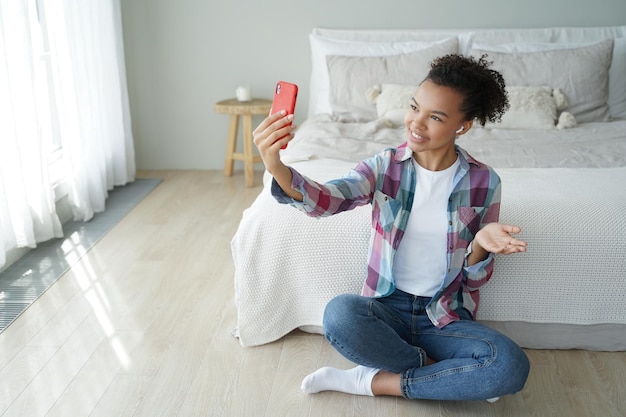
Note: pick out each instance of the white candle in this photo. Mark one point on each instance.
(243, 93)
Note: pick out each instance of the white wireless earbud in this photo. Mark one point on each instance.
(460, 129)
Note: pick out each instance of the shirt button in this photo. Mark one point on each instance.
(450, 223)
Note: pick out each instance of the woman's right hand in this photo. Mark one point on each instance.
(275, 131)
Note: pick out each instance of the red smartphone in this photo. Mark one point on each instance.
(285, 95)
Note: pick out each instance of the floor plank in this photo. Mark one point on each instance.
(253, 384)
(582, 383)
(59, 372)
(297, 359)
(610, 371)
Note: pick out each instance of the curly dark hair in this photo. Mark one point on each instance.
(485, 98)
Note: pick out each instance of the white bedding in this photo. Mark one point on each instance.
(289, 265)
(591, 145)
(565, 188)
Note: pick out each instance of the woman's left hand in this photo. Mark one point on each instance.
(496, 238)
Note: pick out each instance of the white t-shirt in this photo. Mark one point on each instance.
(420, 264)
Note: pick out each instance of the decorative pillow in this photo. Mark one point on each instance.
(321, 47)
(350, 77)
(581, 73)
(617, 81)
(531, 107)
(534, 108)
(392, 102)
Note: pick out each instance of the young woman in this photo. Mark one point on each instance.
(435, 232)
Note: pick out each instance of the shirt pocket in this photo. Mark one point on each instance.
(469, 220)
(386, 210)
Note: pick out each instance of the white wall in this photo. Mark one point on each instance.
(184, 55)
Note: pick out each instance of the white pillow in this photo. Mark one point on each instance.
(528, 46)
(533, 108)
(319, 99)
(582, 71)
(392, 102)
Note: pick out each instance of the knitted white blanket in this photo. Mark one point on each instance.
(289, 265)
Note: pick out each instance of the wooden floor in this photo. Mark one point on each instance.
(141, 326)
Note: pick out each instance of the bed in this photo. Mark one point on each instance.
(560, 152)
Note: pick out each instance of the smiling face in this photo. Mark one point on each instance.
(432, 122)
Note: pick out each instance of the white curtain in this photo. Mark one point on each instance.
(27, 207)
(85, 39)
(82, 99)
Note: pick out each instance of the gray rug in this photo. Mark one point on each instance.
(30, 276)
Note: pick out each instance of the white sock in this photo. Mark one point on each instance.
(357, 380)
(493, 400)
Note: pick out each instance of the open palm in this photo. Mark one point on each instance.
(496, 238)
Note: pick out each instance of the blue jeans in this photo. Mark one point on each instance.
(394, 334)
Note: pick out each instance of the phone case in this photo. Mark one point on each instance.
(285, 96)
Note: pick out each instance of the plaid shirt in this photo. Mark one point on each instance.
(387, 181)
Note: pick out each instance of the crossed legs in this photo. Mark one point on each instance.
(400, 353)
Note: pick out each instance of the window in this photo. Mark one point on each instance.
(45, 90)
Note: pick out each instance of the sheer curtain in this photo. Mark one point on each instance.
(89, 82)
(27, 206)
(81, 99)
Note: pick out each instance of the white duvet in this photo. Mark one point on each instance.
(565, 188)
(591, 145)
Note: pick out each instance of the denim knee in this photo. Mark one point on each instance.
(514, 367)
(340, 311)
(520, 366)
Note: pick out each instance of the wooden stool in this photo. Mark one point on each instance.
(246, 109)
